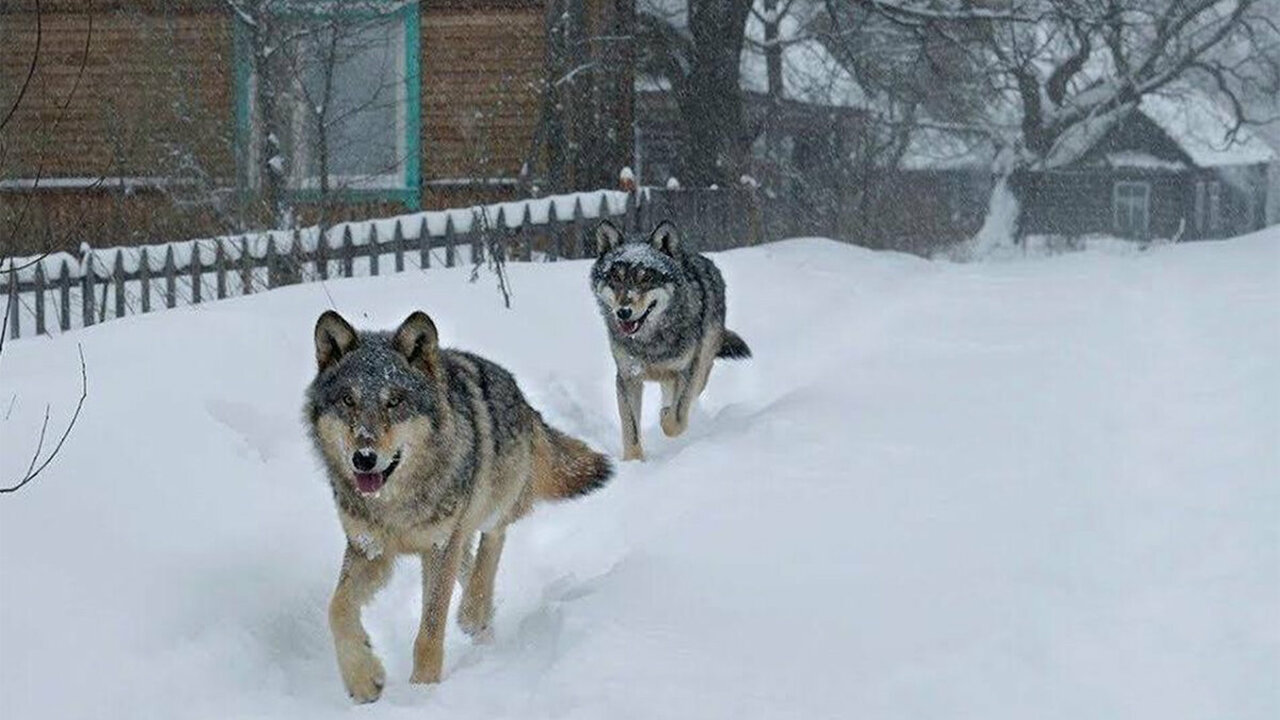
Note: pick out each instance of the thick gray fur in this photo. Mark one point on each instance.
(673, 346)
(375, 364)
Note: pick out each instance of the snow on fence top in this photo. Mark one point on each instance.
(66, 291)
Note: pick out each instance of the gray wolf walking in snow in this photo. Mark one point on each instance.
(425, 448)
(664, 309)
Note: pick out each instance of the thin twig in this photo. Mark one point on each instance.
(31, 70)
(33, 470)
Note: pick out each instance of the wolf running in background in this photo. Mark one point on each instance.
(426, 447)
(664, 309)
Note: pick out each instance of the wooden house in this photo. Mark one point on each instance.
(140, 120)
(1170, 168)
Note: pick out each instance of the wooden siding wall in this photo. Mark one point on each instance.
(156, 99)
(1082, 203)
(120, 90)
(482, 72)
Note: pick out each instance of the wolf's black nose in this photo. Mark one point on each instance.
(624, 313)
(364, 460)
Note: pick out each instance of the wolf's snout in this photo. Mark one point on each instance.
(624, 313)
(364, 460)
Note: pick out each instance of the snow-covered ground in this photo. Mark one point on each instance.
(1040, 489)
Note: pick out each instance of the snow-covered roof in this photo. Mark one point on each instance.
(937, 149)
(1192, 119)
(1141, 160)
(1202, 129)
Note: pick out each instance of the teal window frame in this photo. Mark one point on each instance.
(410, 195)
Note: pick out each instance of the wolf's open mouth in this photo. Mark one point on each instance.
(370, 483)
(629, 327)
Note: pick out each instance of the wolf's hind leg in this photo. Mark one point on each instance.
(687, 386)
(475, 614)
(630, 397)
(361, 577)
(439, 572)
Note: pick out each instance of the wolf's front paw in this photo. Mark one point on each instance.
(474, 618)
(671, 424)
(363, 675)
(425, 675)
(632, 453)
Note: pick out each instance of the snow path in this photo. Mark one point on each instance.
(1041, 489)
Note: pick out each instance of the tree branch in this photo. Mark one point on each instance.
(37, 466)
(31, 69)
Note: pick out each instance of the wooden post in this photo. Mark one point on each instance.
(298, 256)
(170, 279)
(397, 244)
(144, 277)
(630, 214)
(86, 284)
(197, 272)
(373, 249)
(13, 311)
(577, 247)
(478, 234)
(499, 234)
(273, 265)
(117, 278)
(246, 267)
(602, 211)
(525, 234)
(554, 234)
(322, 253)
(347, 251)
(39, 287)
(64, 296)
(220, 269)
(424, 245)
(449, 240)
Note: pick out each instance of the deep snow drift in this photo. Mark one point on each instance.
(1043, 489)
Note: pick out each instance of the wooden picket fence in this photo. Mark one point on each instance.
(62, 292)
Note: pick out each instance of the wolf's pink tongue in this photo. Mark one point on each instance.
(630, 326)
(369, 482)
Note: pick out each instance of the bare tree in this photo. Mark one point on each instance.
(583, 133)
(1056, 72)
(697, 49)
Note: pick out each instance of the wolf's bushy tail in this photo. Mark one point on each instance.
(732, 346)
(565, 467)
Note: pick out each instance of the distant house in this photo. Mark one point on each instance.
(142, 119)
(1169, 168)
(1166, 170)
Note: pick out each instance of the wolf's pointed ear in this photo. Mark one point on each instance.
(418, 341)
(608, 237)
(664, 238)
(334, 338)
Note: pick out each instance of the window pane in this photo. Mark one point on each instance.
(343, 103)
(365, 138)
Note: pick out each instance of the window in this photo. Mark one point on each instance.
(342, 87)
(1132, 204)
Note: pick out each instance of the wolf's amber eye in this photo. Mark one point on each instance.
(642, 276)
(393, 401)
(349, 400)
